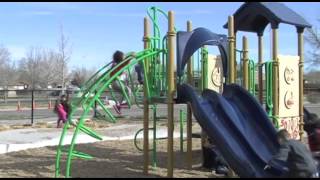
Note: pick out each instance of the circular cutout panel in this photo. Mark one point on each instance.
(288, 99)
(216, 76)
(288, 75)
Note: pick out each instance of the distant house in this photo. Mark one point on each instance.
(12, 89)
(17, 87)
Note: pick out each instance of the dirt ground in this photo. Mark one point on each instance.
(112, 159)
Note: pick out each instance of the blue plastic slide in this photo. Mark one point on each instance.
(238, 126)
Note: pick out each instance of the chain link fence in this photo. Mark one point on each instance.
(28, 105)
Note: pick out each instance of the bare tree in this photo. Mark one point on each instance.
(7, 67)
(4, 55)
(40, 67)
(50, 67)
(313, 39)
(65, 53)
(80, 75)
(29, 67)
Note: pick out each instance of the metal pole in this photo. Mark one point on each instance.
(170, 103)
(154, 150)
(275, 72)
(32, 100)
(189, 110)
(260, 60)
(235, 57)
(231, 49)
(300, 54)
(181, 130)
(245, 63)
(232, 55)
(146, 104)
(204, 80)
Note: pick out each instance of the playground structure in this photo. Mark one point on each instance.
(249, 142)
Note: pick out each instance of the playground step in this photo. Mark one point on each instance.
(90, 132)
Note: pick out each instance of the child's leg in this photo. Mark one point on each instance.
(127, 88)
(121, 97)
(64, 121)
(117, 88)
(118, 96)
(139, 71)
(58, 123)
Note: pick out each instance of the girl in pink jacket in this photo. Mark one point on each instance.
(62, 114)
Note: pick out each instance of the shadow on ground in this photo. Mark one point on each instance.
(112, 159)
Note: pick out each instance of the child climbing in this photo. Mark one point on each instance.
(212, 158)
(61, 111)
(296, 155)
(312, 127)
(118, 58)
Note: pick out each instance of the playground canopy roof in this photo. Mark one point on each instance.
(255, 16)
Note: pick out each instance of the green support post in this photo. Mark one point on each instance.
(252, 82)
(204, 58)
(269, 92)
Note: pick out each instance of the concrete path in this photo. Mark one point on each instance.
(22, 139)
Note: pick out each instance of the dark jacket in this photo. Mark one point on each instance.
(311, 122)
(67, 107)
(314, 140)
(298, 158)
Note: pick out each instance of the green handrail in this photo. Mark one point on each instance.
(252, 84)
(269, 92)
(164, 65)
(204, 58)
(136, 137)
(82, 117)
(98, 82)
(92, 78)
(86, 93)
(269, 95)
(157, 70)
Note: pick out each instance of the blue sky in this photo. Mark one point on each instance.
(97, 29)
